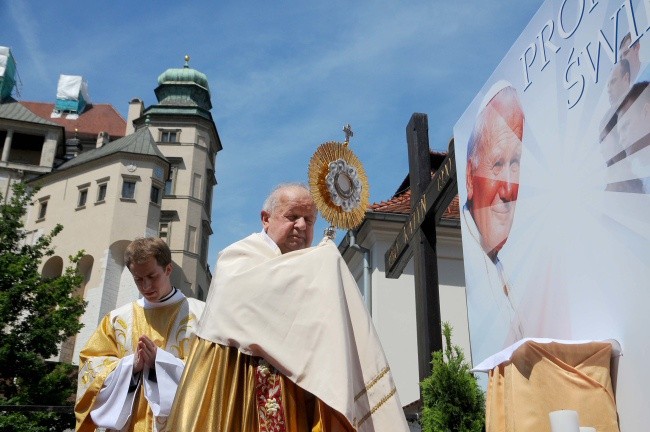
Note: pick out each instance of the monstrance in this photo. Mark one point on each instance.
(338, 184)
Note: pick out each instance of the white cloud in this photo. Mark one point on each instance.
(27, 28)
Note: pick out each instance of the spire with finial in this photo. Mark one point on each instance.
(187, 61)
(348, 133)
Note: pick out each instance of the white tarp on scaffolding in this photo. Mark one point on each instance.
(4, 58)
(71, 86)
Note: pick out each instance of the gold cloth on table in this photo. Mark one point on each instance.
(545, 377)
(219, 395)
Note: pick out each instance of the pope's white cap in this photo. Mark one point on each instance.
(493, 91)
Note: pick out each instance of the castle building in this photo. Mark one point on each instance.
(108, 180)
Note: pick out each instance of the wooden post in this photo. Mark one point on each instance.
(427, 297)
(430, 197)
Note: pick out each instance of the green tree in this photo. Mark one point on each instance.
(452, 398)
(36, 315)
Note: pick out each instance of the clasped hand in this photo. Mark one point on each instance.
(145, 354)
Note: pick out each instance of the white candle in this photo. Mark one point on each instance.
(564, 421)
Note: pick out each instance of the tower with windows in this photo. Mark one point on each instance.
(186, 134)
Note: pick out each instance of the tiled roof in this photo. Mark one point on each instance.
(13, 110)
(140, 142)
(94, 119)
(401, 201)
(397, 204)
(402, 204)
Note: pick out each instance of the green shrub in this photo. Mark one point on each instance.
(452, 398)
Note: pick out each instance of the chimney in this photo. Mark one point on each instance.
(136, 108)
(72, 147)
(102, 139)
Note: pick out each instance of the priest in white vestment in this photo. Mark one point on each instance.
(131, 366)
(285, 343)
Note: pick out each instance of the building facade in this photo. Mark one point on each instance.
(108, 180)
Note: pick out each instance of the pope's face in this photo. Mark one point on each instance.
(152, 279)
(493, 185)
(291, 223)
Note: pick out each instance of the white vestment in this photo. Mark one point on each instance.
(303, 313)
(493, 319)
(108, 394)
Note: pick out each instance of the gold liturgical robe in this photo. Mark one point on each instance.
(106, 362)
(285, 345)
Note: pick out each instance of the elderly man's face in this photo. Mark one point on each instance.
(634, 123)
(291, 223)
(628, 53)
(618, 84)
(493, 185)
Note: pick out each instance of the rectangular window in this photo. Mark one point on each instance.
(155, 194)
(196, 186)
(204, 249)
(163, 231)
(101, 192)
(191, 239)
(128, 189)
(202, 141)
(169, 136)
(169, 184)
(83, 196)
(42, 210)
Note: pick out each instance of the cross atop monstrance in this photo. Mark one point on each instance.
(348, 133)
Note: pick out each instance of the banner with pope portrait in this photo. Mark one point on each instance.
(553, 167)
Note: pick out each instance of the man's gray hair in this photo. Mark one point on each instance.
(272, 200)
(482, 125)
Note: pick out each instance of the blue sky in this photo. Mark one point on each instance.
(284, 76)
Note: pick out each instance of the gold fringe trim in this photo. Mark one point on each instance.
(379, 376)
(376, 407)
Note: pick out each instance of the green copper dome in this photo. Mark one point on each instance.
(184, 75)
(183, 87)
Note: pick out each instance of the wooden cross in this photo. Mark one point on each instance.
(430, 197)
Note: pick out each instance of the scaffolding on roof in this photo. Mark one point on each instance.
(7, 73)
(71, 94)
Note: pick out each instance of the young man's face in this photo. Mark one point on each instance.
(152, 279)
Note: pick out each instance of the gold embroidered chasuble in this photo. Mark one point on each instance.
(302, 314)
(169, 326)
